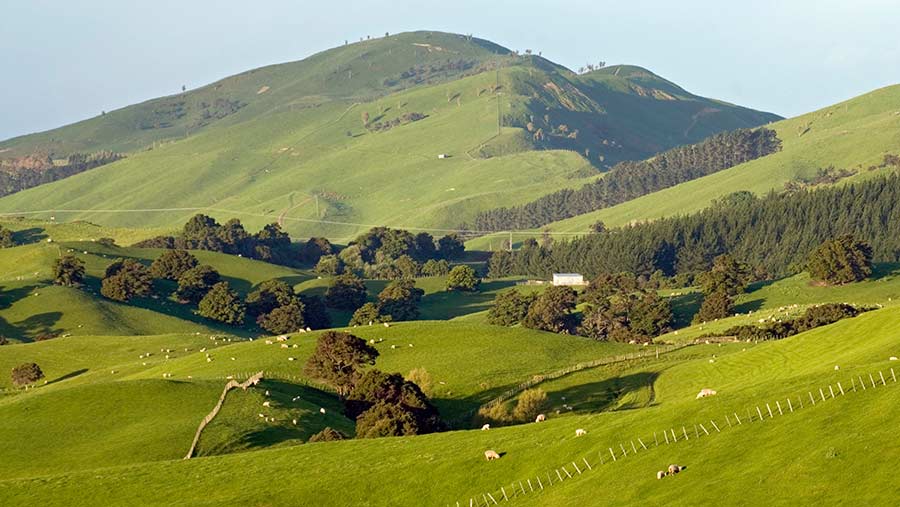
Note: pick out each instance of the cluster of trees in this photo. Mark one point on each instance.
(377, 126)
(819, 315)
(387, 253)
(727, 278)
(273, 305)
(774, 235)
(382, 404)
(26, 374)
(398, 301)
(425, 72)
(841, 260)
(202, 232)
(27, 172)
(7, 239)
(629, 180)
(613, 312)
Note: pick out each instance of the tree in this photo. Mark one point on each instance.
(386, 420)
(841, 260)
(222, 304)
(368, 314)
(284, 319)
(329, 265)
(436, 267)
(424, 246)
(6, 238)
(328, 434)
(552, 310)
(598, 227)
(726, 274)
(347, 292)
(315, 316)
(407, 266)
(68, 271)
(194, 283)
(450, 247)
(421, 378)
(462, 278)
(126, 279)
(314, 249)
(337, 359)
(27, 373)
(268, 296)
(375, 388)
(509, 308)
(717, 305)
(172, 264)
(400, 299)
(500, 264)
(531, 403)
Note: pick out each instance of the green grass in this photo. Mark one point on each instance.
(819, 453)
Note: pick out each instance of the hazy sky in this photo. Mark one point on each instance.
(66, 60)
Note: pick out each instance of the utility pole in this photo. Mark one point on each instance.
(317, 207)
(510, 241)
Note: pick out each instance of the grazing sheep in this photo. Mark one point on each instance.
(705, 392)
(262, 415)
(321, 410)
(267, 404)
(486, 427)
(410, 344)
(674, 469)
(290, 359)
(892, 358)
(308, 329)
(267, 392)
(836, 367)
(540, 418)
(660, 474)
(285, 346)
(372, 341)
(386, 324)
(208, 359)
(294, 421)
(393, 347)
(282, 338)
(268, 342)
(491, 455)
(580, 432)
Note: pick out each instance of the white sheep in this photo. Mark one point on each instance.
(267, 404)
(660, 474)
(294, 421)
(892, 358)
(486, 427)
(387, 325)
(674, 469)
(267, 392)
(540, 418)
(705, 392)
(321, 410)
(580, 432)
(491, 455)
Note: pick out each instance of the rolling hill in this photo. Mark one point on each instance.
(854, 135)
(350, 138)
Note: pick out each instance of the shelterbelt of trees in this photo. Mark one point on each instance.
(774, 234)
(629, 180)
(27, 172)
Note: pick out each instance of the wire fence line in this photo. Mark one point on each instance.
(670, 436)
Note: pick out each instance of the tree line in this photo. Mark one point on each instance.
(774, 235)
(631, 179)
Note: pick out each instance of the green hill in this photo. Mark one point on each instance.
(344, 138)
(853, 135)
(817, 452)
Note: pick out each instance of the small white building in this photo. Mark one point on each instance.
(568, 279)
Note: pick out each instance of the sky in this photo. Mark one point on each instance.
(64, 61)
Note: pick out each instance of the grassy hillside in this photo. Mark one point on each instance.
(512, 127)
(855, 134)
(817, 453)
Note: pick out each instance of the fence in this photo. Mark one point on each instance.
(671, 436)
(252, 381)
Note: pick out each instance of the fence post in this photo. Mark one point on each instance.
(564, 470)
(502, 490)
(633, 448)
(863, 384)
(853, 383)
(873, 380)
(822, 394)
(716, 426)
(576, 468)
(770, 411)
(611, 453)
(882, 378)
(778, 404)
(642, 443)
(685, 433)
(758, 411)
(813, 400)
(738, 418)
(790, 405)
(728, 420)
(893, 376)
(703, 428)
(623, 450)
(541, 484)
(656, 439)
(492, 498)
(530, 486)
(841, 388)
(665, 434)
(831, 390)
(587, 464)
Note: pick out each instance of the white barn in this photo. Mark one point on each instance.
(568, 279)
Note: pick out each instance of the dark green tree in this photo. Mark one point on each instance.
(368, 314)
(386, 420)
(407, 267)
(347, 292)
(6, 238)
(68, 271)
(222, 304)
(337, 359)
(172, 264)
(462, 278)
(284, 319)
(314, 313)
(126, 279)
(726, 274)
(844, 259)
(717, 305)
(500, 264)
(328, 434)
(375, 387)
(434, 267)
(194, 283)
(450, 247)
(314, 249)
(552, 310)
(400, 299)
(329, 265)
(510, 307)
(268, 296)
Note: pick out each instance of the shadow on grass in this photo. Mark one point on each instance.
(603, 395)
(445, 305)
(28, 236)
(684, 308)
(67, 376)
